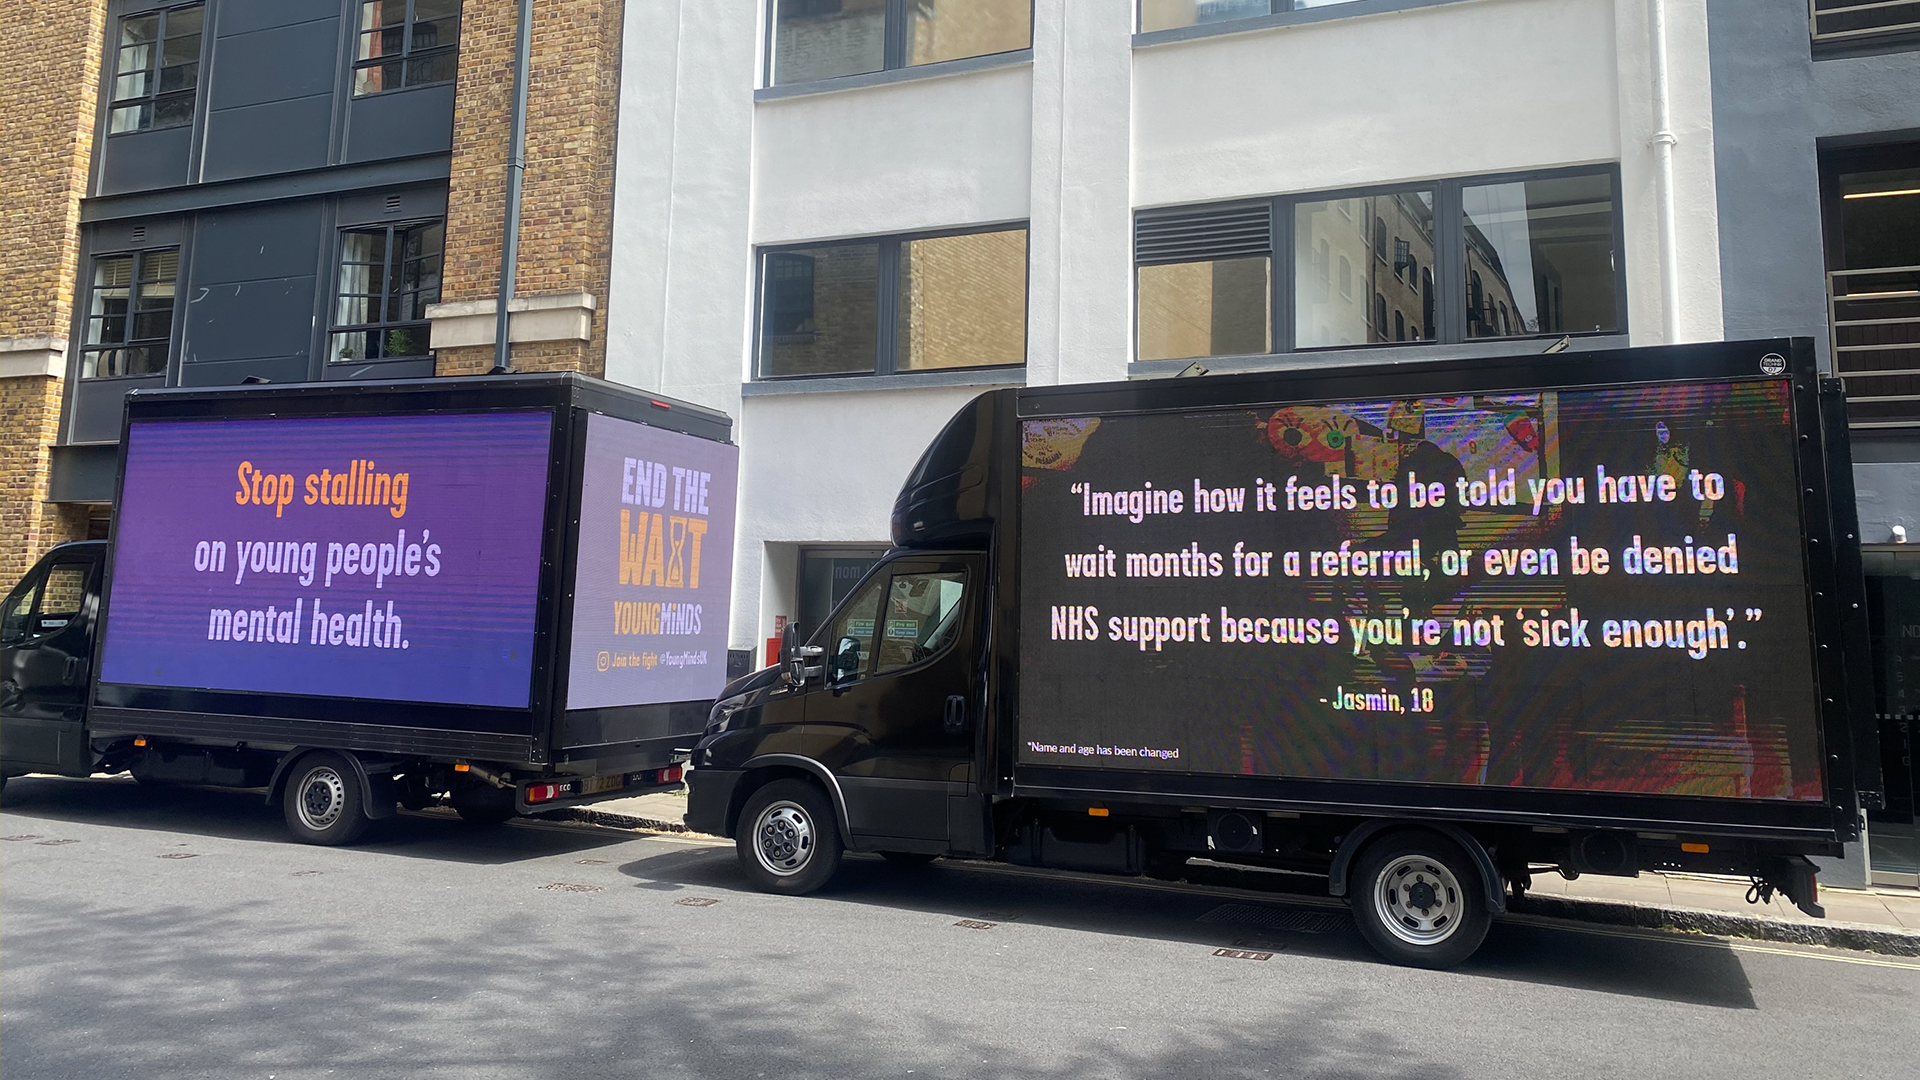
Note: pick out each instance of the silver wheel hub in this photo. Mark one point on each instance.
(1419, 900)
(323, 798)
(783, 839)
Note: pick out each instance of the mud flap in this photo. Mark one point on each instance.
(1794, 877)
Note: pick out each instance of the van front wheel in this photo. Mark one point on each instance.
(787, 839)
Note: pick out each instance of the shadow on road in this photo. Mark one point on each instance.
(236, 814)
(1693, 971)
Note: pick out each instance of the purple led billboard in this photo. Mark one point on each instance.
(655, 570)
(382, 557)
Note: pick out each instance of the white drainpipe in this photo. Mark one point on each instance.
(1663, 141)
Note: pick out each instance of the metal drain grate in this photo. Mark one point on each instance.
(1242, 954)
(1304, 922)
(696, 901)
(567, 886)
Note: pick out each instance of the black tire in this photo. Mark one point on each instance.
(323, 801)
(483, 804)
(908, 858)
(1419, 899)
(787, 838)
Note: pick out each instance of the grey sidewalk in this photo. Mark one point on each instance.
(1886, 921)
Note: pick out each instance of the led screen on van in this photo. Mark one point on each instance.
(382, 557)
(1593, 590)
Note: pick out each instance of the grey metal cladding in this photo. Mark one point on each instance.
(244, 16)
(249, 243)
(93, 414)
(241, 320)
(280, 369)
(142, 160)
(276, 137)
(275, 65)
(400, 123)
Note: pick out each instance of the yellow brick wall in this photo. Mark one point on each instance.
(567, 199)
(50, 88)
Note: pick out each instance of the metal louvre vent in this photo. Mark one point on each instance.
(393, 204)
(139, 234)
(1191, 235)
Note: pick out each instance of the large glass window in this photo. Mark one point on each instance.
(388, 276)
(953, 301)
(1380, 240)
(405, 43)
(827, 39)
(1172, 14)
(1542, 251)
(1873, 280)
(156, 69)
(129, 324)
(1377, 268)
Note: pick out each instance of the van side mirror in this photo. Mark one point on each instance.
(801, 662)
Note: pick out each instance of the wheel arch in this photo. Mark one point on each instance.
(1367, 832)
(763, 770)
(378, 798)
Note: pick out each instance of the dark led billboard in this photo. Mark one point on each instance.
(1582, 590)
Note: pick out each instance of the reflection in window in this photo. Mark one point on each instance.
(388, 276)
(850, 647)
(921, 616)
(406, 43)
(953, 302)
(828, 39)
(963, 301)
(1219, 307)
(130, 314)
(1357, 314)
(1172, 14)
(156, 69)
(1540, 257)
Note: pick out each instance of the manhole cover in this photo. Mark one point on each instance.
(55, 843)
(696, 901)
(180, 855)
(593, 862)
(974, 924)
(1304, 922)
(567, 886)
(1242, 954)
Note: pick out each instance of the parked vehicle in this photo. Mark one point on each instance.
(509, 591)
(1427, 630)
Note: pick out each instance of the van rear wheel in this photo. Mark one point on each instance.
(787, 839)
(1419, 900)
(323, 801)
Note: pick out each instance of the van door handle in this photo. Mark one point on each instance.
(73, 671)
(956, 719)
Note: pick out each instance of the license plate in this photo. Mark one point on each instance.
(598, 784)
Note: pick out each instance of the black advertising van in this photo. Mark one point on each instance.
(1426, 630)
(508, 592)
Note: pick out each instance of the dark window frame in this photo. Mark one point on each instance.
(887, 338)
(135, 279)
(1449, 319)
(389, 266)
(894, 56)
(1280, 13)
(406, 57)
(149, 98)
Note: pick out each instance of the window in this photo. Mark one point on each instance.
(129, 322)
(1205, 282)
(1544, 249)
(45, 604)
(406, 43)
(946, 302)
(1367, 268)
(1846, 22)
(920, 617)
(156, 70)
(828, 39)
(388, 276)
(1872, 221)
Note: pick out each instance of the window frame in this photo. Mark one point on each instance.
(893, 58)
(887, 319)
(135, 280)
(333, 327)
(152, 94)
(404, 57)
(1450, 287)
(1279, 13)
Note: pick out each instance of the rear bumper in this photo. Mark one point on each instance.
(642, 782)
(710, 799)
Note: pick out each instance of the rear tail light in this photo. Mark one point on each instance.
(539, 793)
(670, 775)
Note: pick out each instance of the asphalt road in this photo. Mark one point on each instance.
(178, 933)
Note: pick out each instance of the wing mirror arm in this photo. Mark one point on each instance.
(803, 663)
